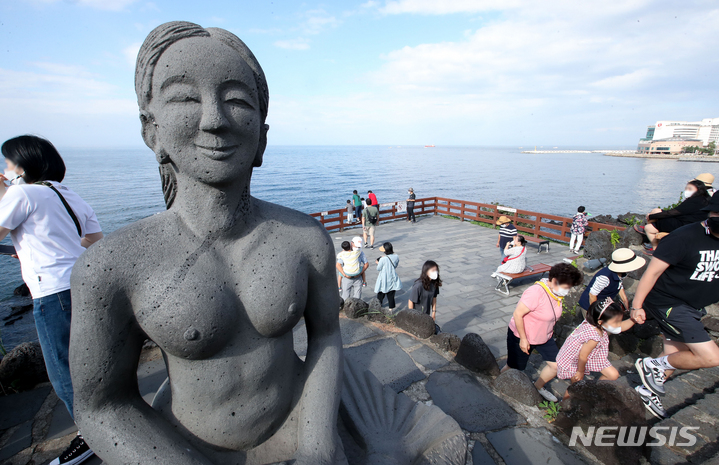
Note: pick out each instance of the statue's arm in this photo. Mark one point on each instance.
(105, 345)
(318, 439)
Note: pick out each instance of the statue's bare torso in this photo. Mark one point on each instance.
(222, 311)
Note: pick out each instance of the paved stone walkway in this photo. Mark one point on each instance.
(467, 256)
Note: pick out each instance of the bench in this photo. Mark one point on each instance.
(503, 279)
(539, 241)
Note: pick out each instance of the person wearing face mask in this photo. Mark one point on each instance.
(682, 278)
(689, 211)
(532, 324)
(50, 226)
(410, 205)
(608, 281)
(424, 292)
(587, 348)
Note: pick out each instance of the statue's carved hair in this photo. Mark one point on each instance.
(159, 40)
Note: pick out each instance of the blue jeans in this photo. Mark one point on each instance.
(52, 319)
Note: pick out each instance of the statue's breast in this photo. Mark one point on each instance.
(193, 312)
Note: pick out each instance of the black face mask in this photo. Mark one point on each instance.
(713, 223)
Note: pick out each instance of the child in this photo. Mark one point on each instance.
(587, 348)
(350, 212)
(579, 224)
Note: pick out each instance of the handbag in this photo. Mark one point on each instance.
(506, 258)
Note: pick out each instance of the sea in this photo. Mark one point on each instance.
(123, 185)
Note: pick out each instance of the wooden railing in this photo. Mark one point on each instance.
(539, 224)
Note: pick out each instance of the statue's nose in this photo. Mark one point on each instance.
(213, 116)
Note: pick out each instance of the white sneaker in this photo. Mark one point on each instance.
(548, 395)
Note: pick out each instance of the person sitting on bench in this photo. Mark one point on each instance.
(689, 211)
(515, 256)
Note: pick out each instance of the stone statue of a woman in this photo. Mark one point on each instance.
(218, 281)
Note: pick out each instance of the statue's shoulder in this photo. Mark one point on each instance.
(291, 219)
(132, 240)
(305, 231)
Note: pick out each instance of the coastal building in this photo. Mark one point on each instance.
(706, 131)
(668, 146)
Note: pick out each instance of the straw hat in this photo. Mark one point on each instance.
(706, 178)
(625, 261)
(503, 220)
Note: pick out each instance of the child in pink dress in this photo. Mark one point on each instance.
(587, 348)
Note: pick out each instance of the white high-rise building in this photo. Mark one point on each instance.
(706, 130)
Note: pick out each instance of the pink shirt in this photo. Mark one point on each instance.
(544, 311)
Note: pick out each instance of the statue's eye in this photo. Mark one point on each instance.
(184, 99)
(240, 102)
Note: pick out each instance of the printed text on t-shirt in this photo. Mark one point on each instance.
(708, 267)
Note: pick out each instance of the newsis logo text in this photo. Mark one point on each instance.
(634, 436)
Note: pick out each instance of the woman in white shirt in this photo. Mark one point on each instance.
(50, 227)
(515, 256)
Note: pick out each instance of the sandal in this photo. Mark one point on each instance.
(639, 228)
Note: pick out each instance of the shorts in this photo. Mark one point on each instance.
(518, 359)
(680, 323)
(667, 225)
(370, 228)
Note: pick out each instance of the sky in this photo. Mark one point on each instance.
(386, 72)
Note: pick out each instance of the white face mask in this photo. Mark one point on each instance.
(13, 177)
(561, 292)
(612, 329)
(433, 275)
(688, 193)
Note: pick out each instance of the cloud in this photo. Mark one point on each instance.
(109, 5)
(300, 43)
(130, 53)
(437, 7)
(313, 22)
(558, 72)
(317, 21)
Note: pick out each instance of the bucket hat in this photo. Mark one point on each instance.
(625, 260)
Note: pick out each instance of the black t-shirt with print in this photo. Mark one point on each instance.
(693, 274)
(410, 201)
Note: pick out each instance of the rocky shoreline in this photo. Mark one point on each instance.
(680, 157)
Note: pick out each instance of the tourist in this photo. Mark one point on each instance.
(608, 281)
(370, 220)
(372, 198)
(689, 211)
(424, 292)
(708, 180)
(507, 233)
(587, 348)
(579, 225)
(515, 256)
(532, 324)
(388, 281)
(50, 227)
(351, 265)
(410, 206)
(679, 282)
(357, 204)
(350, 212)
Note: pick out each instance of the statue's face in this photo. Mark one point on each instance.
(206, 109)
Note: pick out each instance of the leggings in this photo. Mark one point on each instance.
(390, 298)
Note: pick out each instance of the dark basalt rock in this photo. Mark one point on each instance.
(446, 341)
(604, 403)
(651, 347)
(623, 343)
(475, 355)
(416, 323)
(355, 308)
(647, 330)
(599, 245)
(24, 366)
(517, 385)
(22, 290)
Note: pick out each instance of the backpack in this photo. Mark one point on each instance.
(372, 218)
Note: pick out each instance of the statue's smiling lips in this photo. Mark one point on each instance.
(217, 152)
